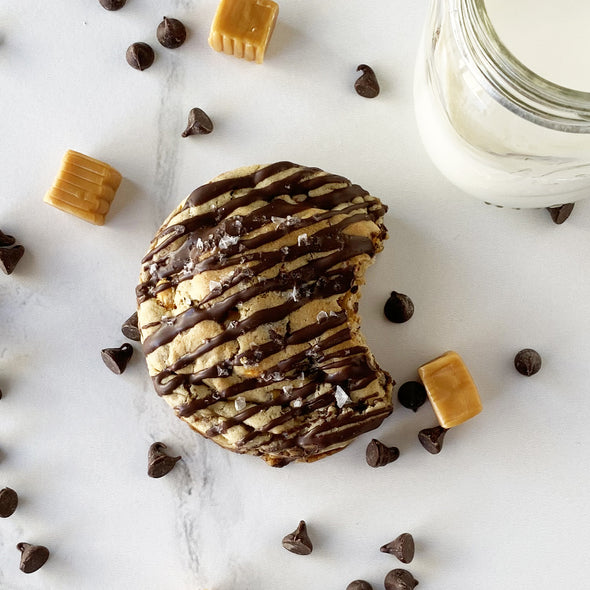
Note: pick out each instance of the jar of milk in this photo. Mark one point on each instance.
(502, 98)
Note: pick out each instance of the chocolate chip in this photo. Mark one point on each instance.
(379, 455)
(0, 394)
(412, 395)
(399, 308)
(9, 257)
(6, 240)
(116, 359)
(130, 328)
(298, 541)
(400, 579)
(199, 123)
(527, 362)
(112, 4)
(367, 85)
(159, 463)
(561, 213)
(402, 547)
(8, 502)
(140, 56)
(171, 33)
(432, 439)
(359, 585)
(32, 557)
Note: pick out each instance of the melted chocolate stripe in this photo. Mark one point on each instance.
(210, 191)
(343, 352)
(343, 429)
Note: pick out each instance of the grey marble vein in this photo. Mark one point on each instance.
(169, 118)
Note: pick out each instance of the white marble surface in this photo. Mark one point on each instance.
(505, 505)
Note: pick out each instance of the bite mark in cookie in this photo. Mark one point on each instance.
(249, 294)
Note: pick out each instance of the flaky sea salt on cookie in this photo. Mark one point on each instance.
(247, 307)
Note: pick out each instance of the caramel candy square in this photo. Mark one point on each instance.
(84, 187)
(244, 27)
(451, 389)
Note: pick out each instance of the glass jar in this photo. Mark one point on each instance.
(492, 126)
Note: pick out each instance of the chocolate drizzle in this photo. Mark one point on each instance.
(232, 223)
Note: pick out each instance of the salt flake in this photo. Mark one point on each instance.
(302, 240)
(226, 241)
(222, 371)
(322, 315)
(213, 285)
(341, 397)
(240, 403)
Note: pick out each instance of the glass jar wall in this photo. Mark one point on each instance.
(496, 129)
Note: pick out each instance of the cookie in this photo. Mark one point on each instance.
(247, 308)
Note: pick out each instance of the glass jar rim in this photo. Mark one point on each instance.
(509, 81)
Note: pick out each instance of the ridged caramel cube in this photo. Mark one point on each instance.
(84, 187)
(451, 390)
(244, 27)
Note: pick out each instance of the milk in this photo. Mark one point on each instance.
(550, 37)
(483, 147)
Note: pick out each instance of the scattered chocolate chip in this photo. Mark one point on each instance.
(432, 439)
(0, 394)
(6, 240)
(199, 123)
(9, 257)
(359, 585)
(379, 455)
(116, 359)
(159, 463)
(401, 547)
(400, 579)
(399, 308)
(8, 502)
(112, 4)
(527, 362)
(298, 541)
(32, 557)
(140, 56)
(561, 213)
(130, 328)
(171, 33)
(412, 395)
(367, 85)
